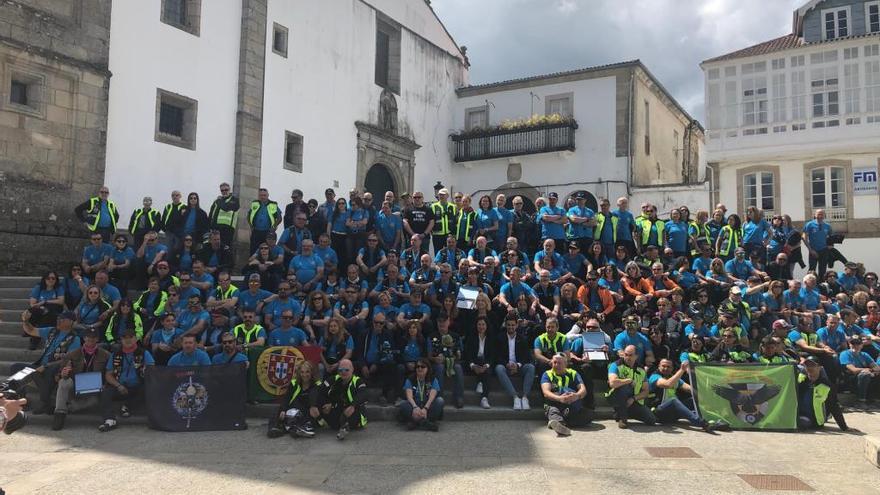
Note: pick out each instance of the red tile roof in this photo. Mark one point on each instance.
(774, 45)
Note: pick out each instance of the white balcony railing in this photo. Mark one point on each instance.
(835, 214)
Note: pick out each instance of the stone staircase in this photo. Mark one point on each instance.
(14, 293)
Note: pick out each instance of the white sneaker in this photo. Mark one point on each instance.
(479, 387)
(517, 404)
(525, 404)
(484, 403)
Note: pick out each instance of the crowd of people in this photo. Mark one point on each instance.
(410, 297)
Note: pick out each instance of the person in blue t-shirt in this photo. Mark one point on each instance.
(389, 227)
(108, 292)
(230, 352)
(422, 406)
(634, 337)
(121, 263)
(676, 235)
(60, 340)
(626, 225)
(859, 369)
(833, 334)
(124, 378)
(273, 310)
(254, 298)
(552, 219)
(505, 221)
(287, 334)
(189, 354)
(307, 266)
(336, 345)
(96, 255)
(816, 233)
(581, 221)
(663, 386)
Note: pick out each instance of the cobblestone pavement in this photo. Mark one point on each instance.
(464, 457)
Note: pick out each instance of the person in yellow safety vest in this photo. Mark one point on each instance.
(606, 227)
(223, 216)
(564, 391)
(144, 220)
(263, 217)
(248, 333)
(548, 344)
(729, 238)
(344, 409)
(663, 386)
(816, 398)
(445, 215)
(172, 221)
(99, 214)
(698, 231)
(628, 390)
(464, 225)
(298, 411)
(650, 230)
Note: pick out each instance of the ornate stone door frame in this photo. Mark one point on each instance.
(377, 145)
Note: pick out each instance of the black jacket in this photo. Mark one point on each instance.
(202, 224)
(522, 349)
(224, 256)
(472, 347)
(291, 210)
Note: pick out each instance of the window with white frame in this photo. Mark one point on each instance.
(828, 187)
(758, 190)
(730, 102)
(797, 61)
(713, 103)
(777, 63)
(476, 118)
(798, 90)
(835, 23)
(779, 100)
(714, 74)
(824, 86)
(851, 53)
(872, 17)
(872, 50)
(730, 71)
(872, 86)
(755, 103)
(851, 88)
(561, 104)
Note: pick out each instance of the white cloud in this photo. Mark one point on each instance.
(515, 38)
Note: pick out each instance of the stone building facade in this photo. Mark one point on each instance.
(54, 81)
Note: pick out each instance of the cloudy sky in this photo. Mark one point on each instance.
(514, 38)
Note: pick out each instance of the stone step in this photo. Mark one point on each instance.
(4, 368)
(10, 315)
(20, 354)
(11, 327)
(18, 303)
(15, 292)
(19, 282)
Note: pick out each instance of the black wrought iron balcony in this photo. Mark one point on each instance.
(500, 142)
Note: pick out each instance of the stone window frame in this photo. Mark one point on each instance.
(298, 141)
(190, 108)
(395, 34)
(835, 11)
(280, 30)
(741, 174)
(562, 96)
(472, 110)
(847, 182)
(868, 6)
(193, 17)
(36, 91)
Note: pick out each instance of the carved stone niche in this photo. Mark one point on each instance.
(388, 111)
(376, 145)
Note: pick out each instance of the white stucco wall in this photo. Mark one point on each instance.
(146, 54)
(593, 160)
(326, 83)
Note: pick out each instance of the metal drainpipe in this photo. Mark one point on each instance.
(630, 152)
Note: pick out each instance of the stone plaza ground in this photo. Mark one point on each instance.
(464, 457)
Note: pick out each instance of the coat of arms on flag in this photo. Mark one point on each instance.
(275, 367)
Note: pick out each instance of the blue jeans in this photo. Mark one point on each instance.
(527, 371)
(458, 385)
(435, 412)
(673, 410)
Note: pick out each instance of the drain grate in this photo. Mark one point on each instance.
(673, 452)
(775, 482)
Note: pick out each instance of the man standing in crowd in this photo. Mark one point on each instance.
(224, 214)
(553, 220)
(144, 220)
(172, 221)
(523, 226)
(581, 221)
(626, 225)
(606, 227)
(650, 230)
(505, 221)
(564, 391)
(513, 359)
(296, 207)
(326, 208)
(99, 214)
(263, 218)
(345, 401)
(816, 238)
(419, 220)
(444, 219)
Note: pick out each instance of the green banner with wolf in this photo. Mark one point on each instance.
(747, 396)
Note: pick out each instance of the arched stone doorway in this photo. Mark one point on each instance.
(512, 189)
(378, 181)
(591, 200)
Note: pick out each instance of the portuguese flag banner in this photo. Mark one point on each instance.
(271, 369)
(747, 396)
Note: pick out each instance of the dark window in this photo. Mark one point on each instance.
(175, 12)
(874, 18)
(293, 151)
(171, 120)
(280, 42)
(383, 55)
(19, 93)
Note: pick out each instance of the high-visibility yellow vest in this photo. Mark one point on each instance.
(219, 216)
(637, 376)
(247, 336)
(702, 234)
(820, 395)
(600, 223)
(170, 208)
(551, 347)
(271, 210)
(731, 238)
(646, 231)
(468, 217)
(443, 214)
(152, 222)
(561, 382)
(95, 209)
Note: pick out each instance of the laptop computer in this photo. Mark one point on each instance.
(87, 383)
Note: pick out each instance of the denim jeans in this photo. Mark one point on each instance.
(527, 371)
(435, 412)
(458, 378)
(636, 411)
(673, 410)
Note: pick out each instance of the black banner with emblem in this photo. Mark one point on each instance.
(196, 398)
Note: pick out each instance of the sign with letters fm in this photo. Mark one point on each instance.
(864, 181)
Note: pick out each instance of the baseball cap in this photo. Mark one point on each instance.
(780, 324)
(856, 339)
(553, 195)
(443, 191)
(580, 195)
(67, 315)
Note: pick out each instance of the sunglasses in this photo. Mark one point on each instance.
(344, 370)
(421, 366)
(592, 327)
(121, 241)
(97, 238)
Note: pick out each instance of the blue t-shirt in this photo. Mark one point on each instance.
(262, 221)
(222, 358)
(703, 331)
(51, 346)
(580, 231)
(512, 291)
(558, 260)
(485, 218)
(189, 225)
(388, 226)
(625, 223)
(188, 319)
(247, 300)
(421, 390)
(276, 307)
(338, 222)
(162, 336)
(129, 375)
(817, 234)
(357, 215)
(411, 351)
(110, 294)
(639, 340)
(151, 250)
(656, 390)
(677, 236)
(848, 282)
(292, 336)
(741, 270)
(835, 339)
(185, 262)
(347, 310)
(305, 267)
(95, 254)
(410, 312)
(701, 265)
(810, 298)
(754, 233)
(197, 358)
(505, 217)
(327, 255)
(685, 279)
(550, 230)
(390, 311)
(43, 295)
(860, 360)
(120, 257)
(332, 351)
(89, 313)
(104, 219)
